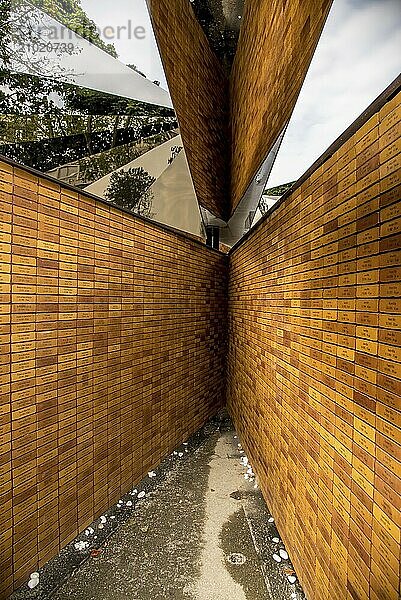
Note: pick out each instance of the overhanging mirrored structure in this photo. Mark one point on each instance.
(240, 111)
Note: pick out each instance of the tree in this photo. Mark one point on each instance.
(279, 190)
(44, 121)
(71, 14)
(21, 26)
(130, 189)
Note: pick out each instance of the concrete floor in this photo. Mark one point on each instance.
(201, 533)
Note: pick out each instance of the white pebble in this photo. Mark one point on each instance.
(180, 454)
(100, 526)
(34, 575)
(151, 474)
(141, 495)
(129, 503)
(246, 476)
(276, 558)
(271, 520)
(276, 540)
(185, 443)
(103, 519)
(113, 517)
(32, 583)
(81, 545)
(283, 554)
(294, 595)
(292, 578)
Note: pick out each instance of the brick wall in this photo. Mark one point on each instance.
(112, 349)
(266, 78)
(314, 365)
(199, 91)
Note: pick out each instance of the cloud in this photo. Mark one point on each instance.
(357, 57)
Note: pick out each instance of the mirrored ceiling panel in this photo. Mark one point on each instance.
(157, 185)
(35, 43)
(46, 124)
(221, 22)
(72, 110)
(173, 197)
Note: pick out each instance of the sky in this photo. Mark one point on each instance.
(358, 55)
(131, 50)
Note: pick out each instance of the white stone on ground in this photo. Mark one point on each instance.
(81, 545)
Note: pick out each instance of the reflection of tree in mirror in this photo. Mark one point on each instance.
(94, 167)
(265, 203)
(222, 31)
(24, 25)
(71, 14)
(135, 68)
(23, 29)
(279, 190)
(130, 189)
(46, 124)
(47, 154)
(22, 94)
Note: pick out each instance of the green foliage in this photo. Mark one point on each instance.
(130, 189)
(97, 166)
(71, 14)
(92, 102)
(279, 190)
(45, 122)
